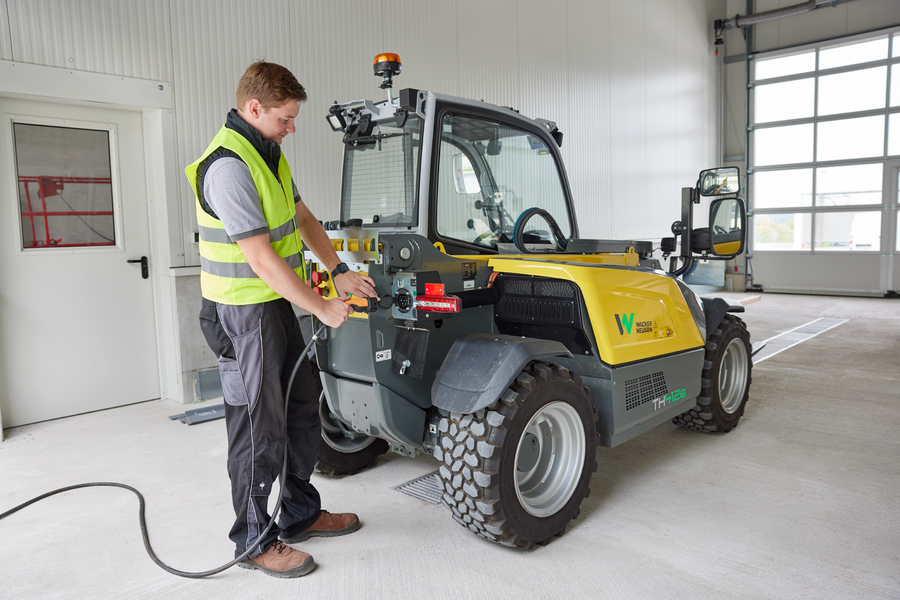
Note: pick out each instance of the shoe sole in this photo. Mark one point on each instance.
(299, 571)
(302, 537)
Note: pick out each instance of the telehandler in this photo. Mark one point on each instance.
(504, 344)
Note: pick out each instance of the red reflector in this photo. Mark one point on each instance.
(439, 304)
(434, 289)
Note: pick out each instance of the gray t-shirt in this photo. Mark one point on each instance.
(229, 189)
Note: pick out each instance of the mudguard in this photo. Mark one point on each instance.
(715, 310)
(480, 366)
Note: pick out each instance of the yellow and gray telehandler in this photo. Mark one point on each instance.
(504, 344)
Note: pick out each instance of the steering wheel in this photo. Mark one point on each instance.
(719, 229)
(519, 230)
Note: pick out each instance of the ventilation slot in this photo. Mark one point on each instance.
(641, 390)
(544, 312)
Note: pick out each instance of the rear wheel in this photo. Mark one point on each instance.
(340, 454)
(726, 380)
(517, 472)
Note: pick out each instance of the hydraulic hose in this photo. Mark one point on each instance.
(143, 522)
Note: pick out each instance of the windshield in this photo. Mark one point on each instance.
(379, 183)
(488, 174)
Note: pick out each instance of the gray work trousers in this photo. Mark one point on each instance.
(257, 347)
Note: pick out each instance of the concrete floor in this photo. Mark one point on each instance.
(802, 500)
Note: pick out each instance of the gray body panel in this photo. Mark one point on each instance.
(372, 409)
(641, 396)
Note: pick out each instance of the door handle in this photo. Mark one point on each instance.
(145, 272)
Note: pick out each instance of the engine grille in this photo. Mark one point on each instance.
(645, 388)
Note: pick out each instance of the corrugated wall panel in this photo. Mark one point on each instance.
(587, 142)
(129, 37)
(488, 57)
(5, 33)
(333, 44)
(213, 43)
(632, 85)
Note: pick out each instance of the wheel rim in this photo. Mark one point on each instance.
(733, 375)
(333, 435)
(549, 459)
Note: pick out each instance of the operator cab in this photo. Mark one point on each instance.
(481, 179)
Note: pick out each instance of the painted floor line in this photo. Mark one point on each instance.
(784, 341)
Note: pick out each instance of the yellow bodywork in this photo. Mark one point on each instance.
(653, 317)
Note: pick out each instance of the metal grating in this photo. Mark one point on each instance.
(641, 390)
(427, 488)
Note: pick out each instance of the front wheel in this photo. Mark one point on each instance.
(726, 380)
(517, 472)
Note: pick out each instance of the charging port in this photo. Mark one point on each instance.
(403, 300)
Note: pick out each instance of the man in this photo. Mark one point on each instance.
(251, 222)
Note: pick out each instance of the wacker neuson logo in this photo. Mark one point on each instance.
(626, 324)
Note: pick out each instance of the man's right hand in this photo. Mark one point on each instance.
(334, 312)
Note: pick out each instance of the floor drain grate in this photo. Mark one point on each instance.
(427, 488)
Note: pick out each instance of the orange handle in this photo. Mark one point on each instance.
(363, 305)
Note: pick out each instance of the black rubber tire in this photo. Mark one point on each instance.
(478, 458)
(334, 462)
(355, 457)
(712, 414)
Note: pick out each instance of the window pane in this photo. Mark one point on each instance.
(853, 54)
(65, 189)
(895, 83)
(786, 65)
(789, 231)
(513, 170)
(855, 184)
(848, 231)
(782, 189)
(851, 138)
(380, 178)
(894, 134)
(896, 51)
(782, 101)
(783, 145)
(852, 91)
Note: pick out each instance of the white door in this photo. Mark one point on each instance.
(77, 331)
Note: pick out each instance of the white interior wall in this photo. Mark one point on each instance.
(631, 84)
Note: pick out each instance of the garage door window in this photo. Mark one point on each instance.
(825, 120)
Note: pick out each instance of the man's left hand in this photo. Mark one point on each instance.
(355, 283)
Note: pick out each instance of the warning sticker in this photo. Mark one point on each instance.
(382, 355)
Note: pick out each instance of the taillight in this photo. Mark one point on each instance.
(439, 304)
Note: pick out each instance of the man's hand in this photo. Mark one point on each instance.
(354, 283)
(335, 312)
(279, 276)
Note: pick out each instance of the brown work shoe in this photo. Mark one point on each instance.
(282, 561)
(327, 525)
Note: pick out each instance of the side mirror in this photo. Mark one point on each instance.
(720, 182)
(727, 226)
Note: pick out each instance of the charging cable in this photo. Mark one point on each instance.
(143, 522)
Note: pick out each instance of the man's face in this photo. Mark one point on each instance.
(274, 124)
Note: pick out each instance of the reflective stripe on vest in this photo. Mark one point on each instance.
(226, 276)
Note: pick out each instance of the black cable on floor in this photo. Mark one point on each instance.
(143, 522)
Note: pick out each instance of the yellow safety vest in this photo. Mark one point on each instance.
(225, 274)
